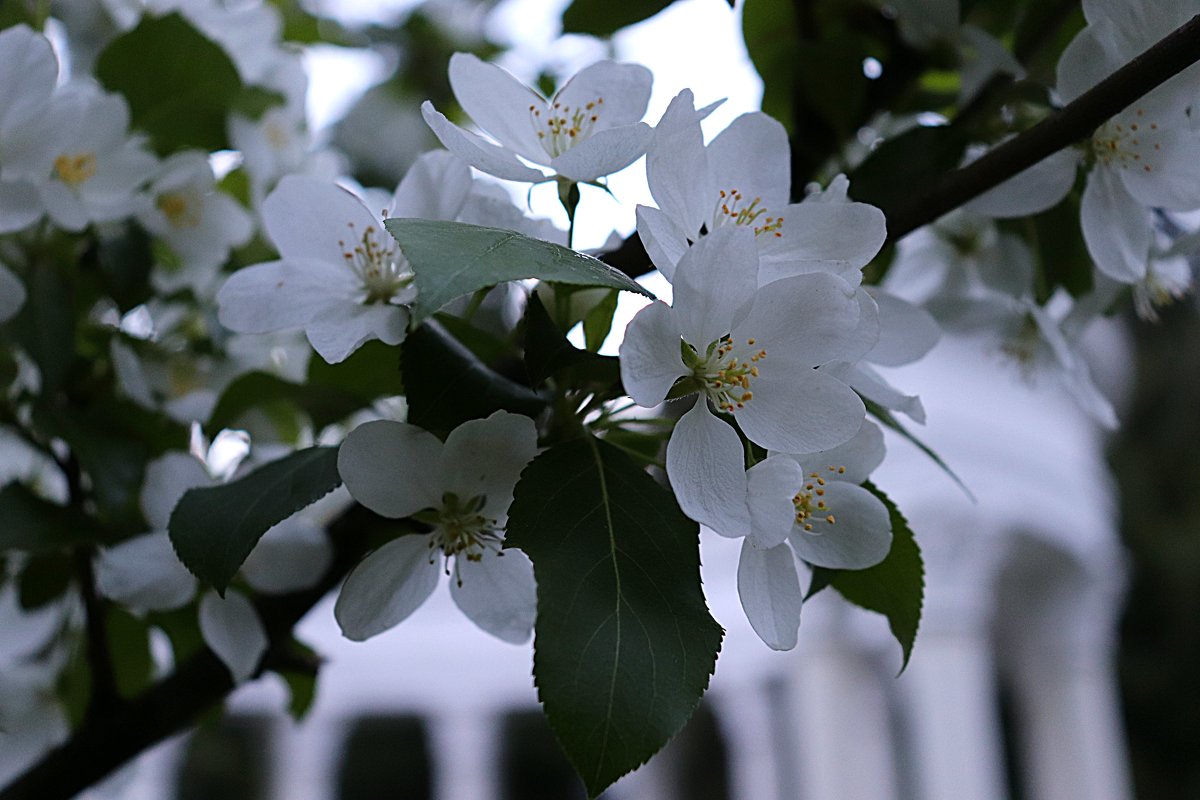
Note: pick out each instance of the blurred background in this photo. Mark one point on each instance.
(1059, 653)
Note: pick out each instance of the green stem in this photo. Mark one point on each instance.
(568, 195)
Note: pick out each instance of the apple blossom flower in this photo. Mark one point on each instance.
(80, 157)
(741, 178)
(463, 489)
(341, 276)
(834, 523)
(1145, 157)
(200, 224)
(754, 354)
(590, 128)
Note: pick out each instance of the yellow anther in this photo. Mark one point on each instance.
(830, 519)
(75, 169)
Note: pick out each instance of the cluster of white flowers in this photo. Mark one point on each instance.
(767, 350)
(1145, 158)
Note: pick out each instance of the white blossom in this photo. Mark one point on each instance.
(589, 129)
(463, 489)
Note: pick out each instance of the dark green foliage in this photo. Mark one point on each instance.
(214, 528)
(448, 385)
(452, 259)
(624, 642)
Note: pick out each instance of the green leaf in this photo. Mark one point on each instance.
(44, 579)
(606, 17)
(214, 528)
(895, 587)
(129, 644)
(113, 441)
(624, 643)
(598, 322)
(769, 27)
(32, 525)
(179, 84)
(546, 348)
(889, 420)
(371, 372)
(907, 163)
(448, 385)
(254, 101)
(323, 404)
(451, 259)
(46, 325)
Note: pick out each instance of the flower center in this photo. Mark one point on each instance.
(561, 127)
(725, 371)
(810, 504)
(732, 208)
(1117, 144)
(74, 169)
(377, 262)
(178, 209)
(462, 532)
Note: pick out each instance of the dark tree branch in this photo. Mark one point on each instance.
(112, 736)
(104, 696)
(1074, 122)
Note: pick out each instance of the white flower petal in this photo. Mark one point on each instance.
(800, 411)
(387, 586)
(1030, 191)
(624, 90)
(20, 206)
(28, 72)
(1089, 58)
(1116, 227)
(858, 457)
(906, 331)
(144, 573)
(289, 557)
(713, 285)
(770, 486)
(12, 294)
(1167, 174)
(484, 457)
(770, 592)
(477, 151)
(604, 152)
(232, 629)
(167, 478)
(390, 467)
(707, 471)
(751, 156)
(278, 295)
(677, 168)
(871, 385)
(337, 331)
(807, 320)
(497, 593)
(822, 237)
(859, 537)
(498, 103)
(649, 355)
(309, 219)
(435, 187)
(665, 242)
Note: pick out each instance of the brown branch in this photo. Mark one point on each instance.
(1076, 121)
(110, 737)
